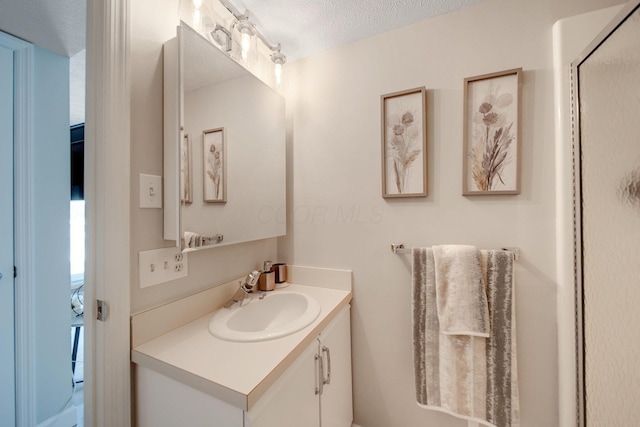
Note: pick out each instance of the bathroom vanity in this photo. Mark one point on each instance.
(186, 376)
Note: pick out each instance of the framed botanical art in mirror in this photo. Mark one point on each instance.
(491, 134)
(214, 166)
(186, 184)
(404, 144)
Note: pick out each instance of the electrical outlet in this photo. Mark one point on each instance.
(161, 265)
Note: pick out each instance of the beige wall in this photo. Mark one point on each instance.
(338, 218)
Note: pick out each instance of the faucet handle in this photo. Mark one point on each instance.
(253, 277)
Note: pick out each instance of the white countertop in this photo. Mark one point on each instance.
(238, 373)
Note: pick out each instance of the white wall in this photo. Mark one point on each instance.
(51, 233)
(339, 219)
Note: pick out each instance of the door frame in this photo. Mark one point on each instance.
(23, 230)
(7, 288)
(580, 349)
(107, 203)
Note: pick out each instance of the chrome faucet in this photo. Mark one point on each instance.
(247, 289)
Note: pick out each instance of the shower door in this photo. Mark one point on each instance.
(607, 159)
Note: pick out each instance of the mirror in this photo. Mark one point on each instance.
(227, 133)
(607, 217)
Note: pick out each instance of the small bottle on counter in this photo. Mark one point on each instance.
(267, 280)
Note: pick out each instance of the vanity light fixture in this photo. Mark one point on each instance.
(246, 30)
(279, 60)
(222, 37)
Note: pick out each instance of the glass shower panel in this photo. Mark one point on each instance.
(609, 96)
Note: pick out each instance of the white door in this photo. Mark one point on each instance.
(7, 347)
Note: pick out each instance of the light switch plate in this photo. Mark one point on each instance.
(161, 265)
(150, 191)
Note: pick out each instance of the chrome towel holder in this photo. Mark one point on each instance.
(398, 248)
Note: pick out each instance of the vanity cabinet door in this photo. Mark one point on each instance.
(291, 401)
(165, 402)
(299, 398)
(336, 400)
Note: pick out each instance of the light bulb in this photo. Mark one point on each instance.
(278, 59)
(246, 44)
(278, 72)
(246, 30)
(197, 17)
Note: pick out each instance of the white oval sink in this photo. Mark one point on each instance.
(277, 315)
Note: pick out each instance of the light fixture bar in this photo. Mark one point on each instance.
(236, 13)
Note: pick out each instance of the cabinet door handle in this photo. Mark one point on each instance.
(328, 379)
(320, 374)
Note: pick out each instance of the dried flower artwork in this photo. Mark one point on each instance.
(491, 134)
(214, 166)
(404, 144)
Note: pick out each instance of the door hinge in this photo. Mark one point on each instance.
(15, 272)
(101, 310)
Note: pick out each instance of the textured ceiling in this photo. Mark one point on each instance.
(305, 27)
(56, 25)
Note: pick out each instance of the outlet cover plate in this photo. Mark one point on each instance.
(150, 191)
(161, 265)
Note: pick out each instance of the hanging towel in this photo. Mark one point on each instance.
(192, 240)
(460, 291)
(470, 377)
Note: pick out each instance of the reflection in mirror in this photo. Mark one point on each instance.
(232, 155)
(608, 215)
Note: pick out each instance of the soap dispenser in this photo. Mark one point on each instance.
(267, 278)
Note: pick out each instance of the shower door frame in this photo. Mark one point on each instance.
(578, 254)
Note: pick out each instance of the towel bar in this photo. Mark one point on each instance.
(398, 248)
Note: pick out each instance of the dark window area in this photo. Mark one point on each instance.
(77, 162)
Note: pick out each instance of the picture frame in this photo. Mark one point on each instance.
(491, 134)
(214, 166)
(404, 143)
(186, 168)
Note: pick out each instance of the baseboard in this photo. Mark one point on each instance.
(66, 418)
(355, 425)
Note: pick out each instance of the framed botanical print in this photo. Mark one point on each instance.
(404, 144)
(491, 163)
(214, 166)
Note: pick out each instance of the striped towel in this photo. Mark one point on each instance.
(470, 377)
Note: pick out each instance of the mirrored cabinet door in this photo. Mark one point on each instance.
(224, 148)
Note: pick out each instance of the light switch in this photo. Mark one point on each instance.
(150, 191)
